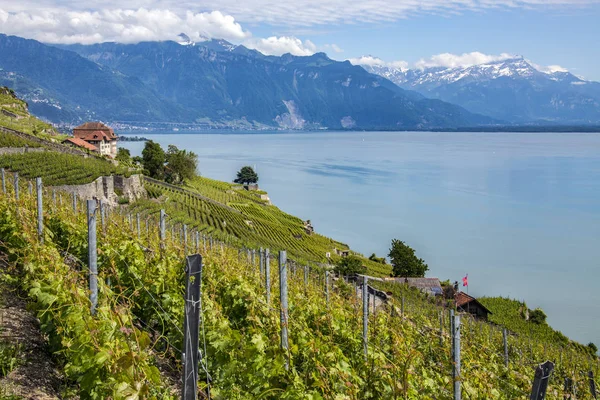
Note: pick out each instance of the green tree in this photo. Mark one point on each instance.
(373, 257)
(350, 265)
(246, 175)
(537, 316)
(123, 155)
(404, 261)
(181, 164)
(154, 159)
(593, 348)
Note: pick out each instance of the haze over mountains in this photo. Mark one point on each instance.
(217, 84)
(512, 90)
(213, 83)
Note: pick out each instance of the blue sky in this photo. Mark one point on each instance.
(547, 32)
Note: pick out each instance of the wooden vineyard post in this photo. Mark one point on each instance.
(541, 380)
(327, 288)
(161, 223)
(40, 210)
(29, 188)
(16, 185)
(305, 276)
(3, 180)
(75, 202)
(197, 242)
(191, 327)
(592, 384)
(137, 225)
(261, 261)
(365, 300)
(567, 389)
(456, 378)
(283, 296)
(505, 341)
(267, 276)
(103, 217)
(54, 198)
(92, 254)
(441, 328)
(185, 237)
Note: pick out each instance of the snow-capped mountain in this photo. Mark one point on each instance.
(514, 90)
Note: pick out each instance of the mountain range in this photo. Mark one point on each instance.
(513, 90)
(212, 83)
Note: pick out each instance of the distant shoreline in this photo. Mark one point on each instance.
(482, 129)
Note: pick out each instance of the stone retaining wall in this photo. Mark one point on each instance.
(20, 150)
(108, 189)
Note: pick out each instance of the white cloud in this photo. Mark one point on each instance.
(277, 46)
(460, 60)
(332, 47)
(300, 13)
(125, 26)
(550, 69)
(375, 61)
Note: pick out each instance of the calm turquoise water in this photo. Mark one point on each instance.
(520, 213)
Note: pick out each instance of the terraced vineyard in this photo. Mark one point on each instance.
(137, 327)
(11, 140)
(60, 169)
(14, 115)
(242, 217)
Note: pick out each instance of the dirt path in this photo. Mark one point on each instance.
(37, 376)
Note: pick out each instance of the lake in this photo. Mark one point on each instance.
(518, 212)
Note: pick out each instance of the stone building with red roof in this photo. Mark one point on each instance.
(98, 135)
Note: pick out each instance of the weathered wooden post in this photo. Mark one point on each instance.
(103, 217)
(30, 188)
(441, 328)
(305, 276)
(191, 327)
(283, 296)
(261, 261)
(365, 300)
(197, 242)
(75, 202)
(456, 378)
(541, 380)
(137, 225)
(54, 197)
(16, 184)
(268, 276)
(592, 384)
(40, 210)
(567, 389)
(161, 223)
(253, 257)
(505, 342)
(92, 254)
(185, 235)
(327, 288)
(3, 180)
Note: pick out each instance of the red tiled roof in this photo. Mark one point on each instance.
(96, 136)
(82, 130)
(81, 143)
